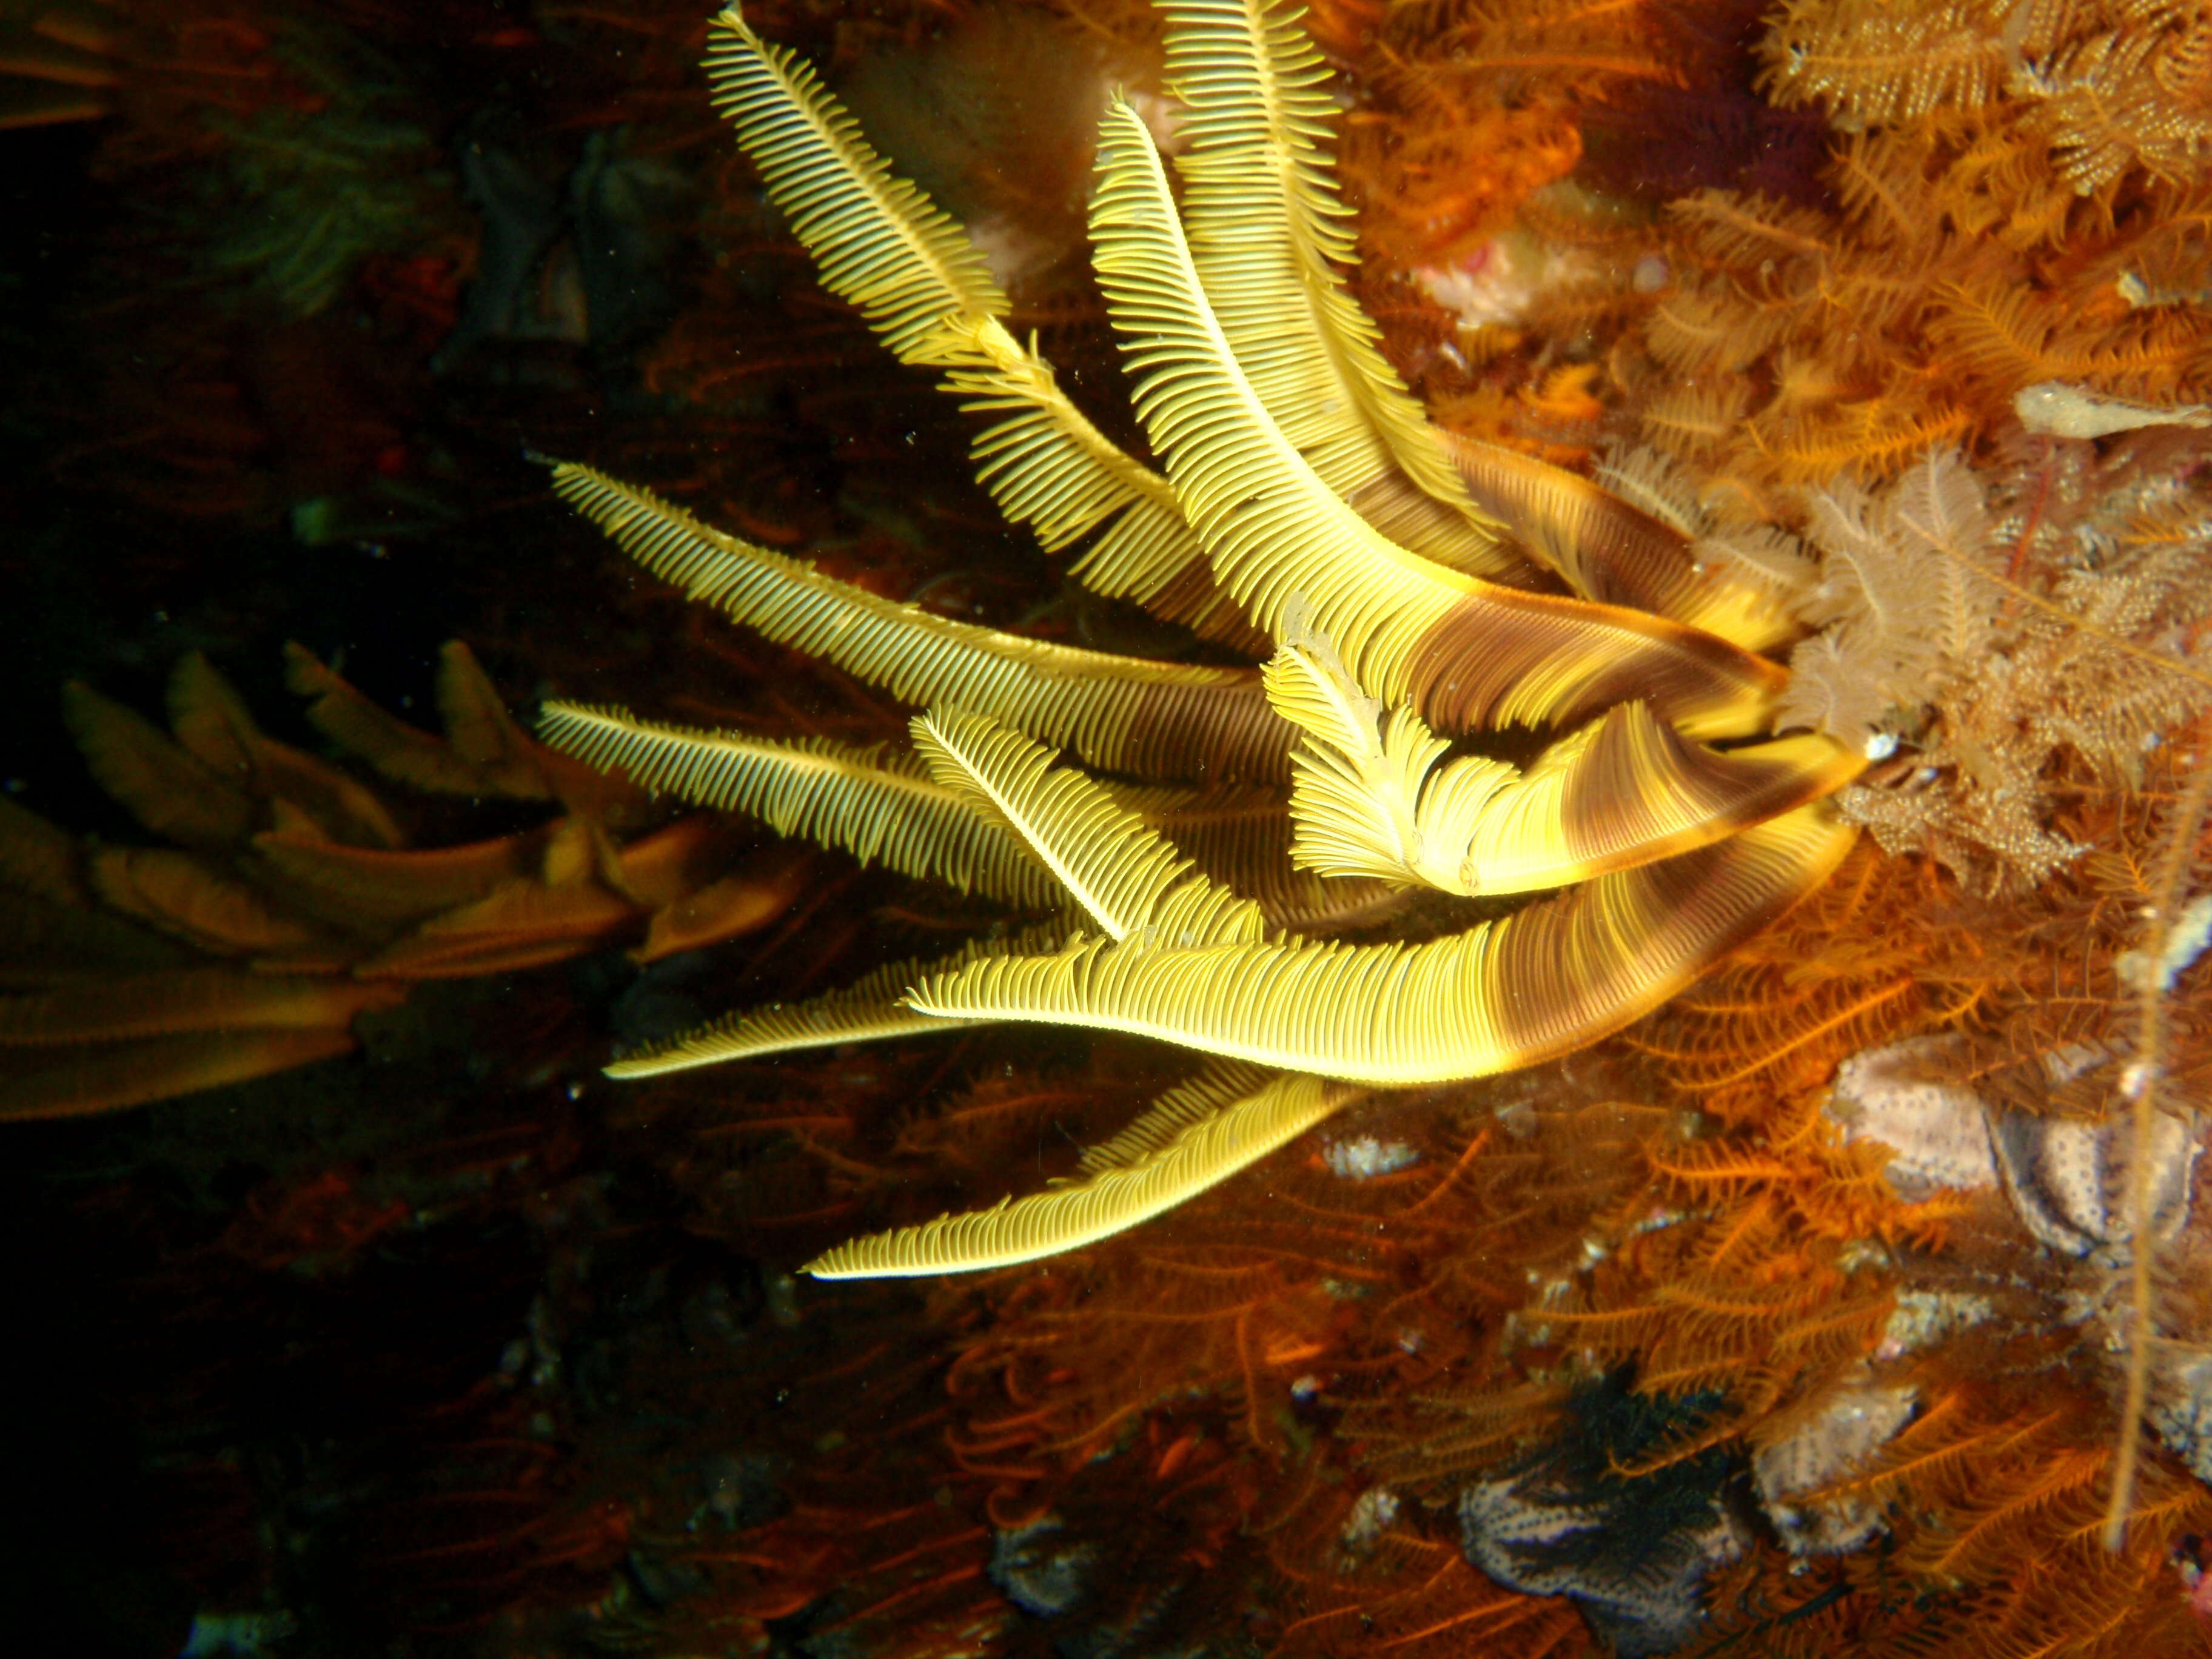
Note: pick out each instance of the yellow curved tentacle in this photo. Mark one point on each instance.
(1466, 654)
(1268, 235)
(882, 244)
(870, 1010)
(879, 805)
(1123, 713)
(1129, 879)
(1549, 979)
(1376, 796)
(1241, 837)
(1615, 553)
(1234, 1122)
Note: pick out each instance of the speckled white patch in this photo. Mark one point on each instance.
(1939, 1130)
(1362, 1157)
(1856, 1420)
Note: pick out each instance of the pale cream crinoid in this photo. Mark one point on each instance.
(1194, 836)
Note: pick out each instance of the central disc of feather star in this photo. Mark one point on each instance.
(1195, 836)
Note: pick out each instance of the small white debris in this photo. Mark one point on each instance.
(1363, 1157)
(2054, 409)
(1921, 1318)
(1374, 1513)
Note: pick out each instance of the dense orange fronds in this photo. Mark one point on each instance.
(2006, 201)
(2107, 89)
(1473, 109)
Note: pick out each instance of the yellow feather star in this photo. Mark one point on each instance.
(1305, 503)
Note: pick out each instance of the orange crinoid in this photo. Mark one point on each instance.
(1415, 596)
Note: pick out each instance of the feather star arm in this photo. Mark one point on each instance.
(870, 1010)
(1267, 233)
(1242, 837)
(1376, 796)
(881, 243)
(881, 807)
(1129, 879)
(1230, 1119)
(1123, 713)
(1466, 653)
(1551, 978)
(1615, 553)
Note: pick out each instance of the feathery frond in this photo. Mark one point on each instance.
(1897, 597)
(212, 722)
(1466, 653)
(1130, 881)
(482, 753)
(1267, 236)
(1504, 994)
(1615, 553)
(211, 997)
(879, 241)
(2012, 336)
(1622, 791)
(869, 1010)
(1878, 64)
(880, 807)
(167, 787)
(1124, 713)
(1217, 1086)
(884, 245)
(77, 1080)
(1111, 1199)
(1242, 839)
(1760, 557)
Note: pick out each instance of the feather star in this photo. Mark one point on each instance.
(1414, 588)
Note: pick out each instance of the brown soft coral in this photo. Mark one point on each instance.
(290, 900)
